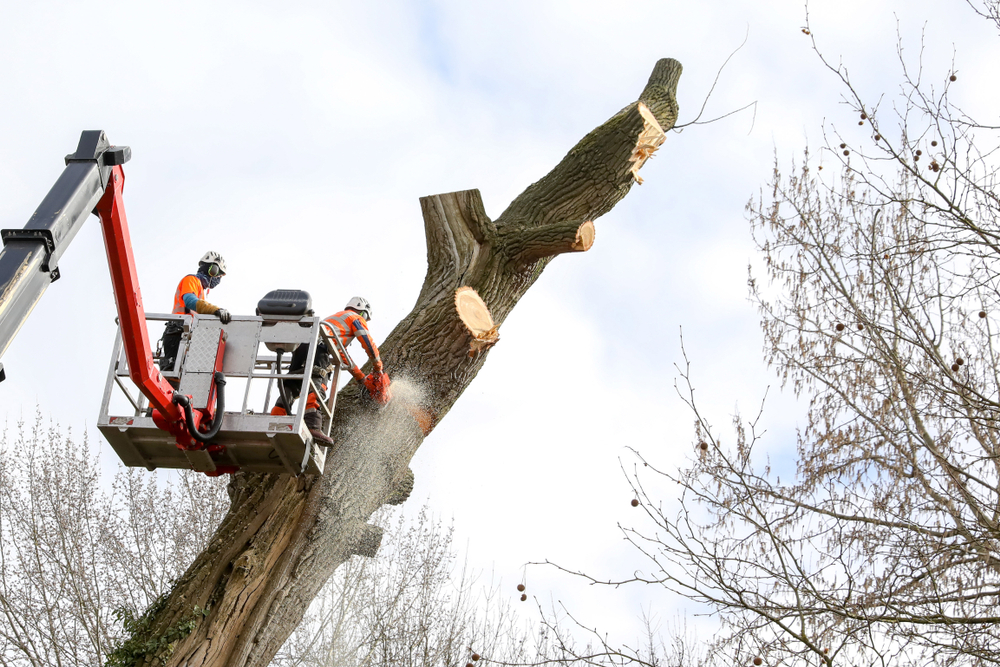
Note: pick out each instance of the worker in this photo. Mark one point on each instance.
(351, 323)
(348, 324)
(190, 298)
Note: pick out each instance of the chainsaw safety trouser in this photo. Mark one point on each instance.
(319, 374)
(293, 388)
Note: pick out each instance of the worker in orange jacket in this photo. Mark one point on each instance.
(348, 324)
(189, 298)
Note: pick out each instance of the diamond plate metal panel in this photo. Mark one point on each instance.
(197, 385)
(204, 345)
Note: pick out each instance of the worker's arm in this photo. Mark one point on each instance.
(361, 333)
(203, 307)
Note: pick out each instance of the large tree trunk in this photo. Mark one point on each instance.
(283, 536)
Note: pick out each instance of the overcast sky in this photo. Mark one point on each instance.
(296, 139)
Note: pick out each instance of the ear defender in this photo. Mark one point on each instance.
(213, 270)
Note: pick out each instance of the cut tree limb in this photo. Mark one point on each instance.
(534, 243)
(284, 537)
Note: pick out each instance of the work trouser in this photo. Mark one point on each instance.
(293, 388)
(171, 344)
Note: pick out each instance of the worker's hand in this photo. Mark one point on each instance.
(378, 366)
(224, 315)
(358, 375)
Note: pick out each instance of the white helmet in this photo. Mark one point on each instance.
(361, 305)
(212, 257)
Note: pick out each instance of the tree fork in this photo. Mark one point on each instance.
(283, 537)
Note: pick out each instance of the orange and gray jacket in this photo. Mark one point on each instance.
(349, 325)
(190, 296)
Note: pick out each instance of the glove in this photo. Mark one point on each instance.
(358, 375)
(378, 366)
(205, 308)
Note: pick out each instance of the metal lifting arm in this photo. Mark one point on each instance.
(30, 255)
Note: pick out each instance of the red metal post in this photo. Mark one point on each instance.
(220, 353)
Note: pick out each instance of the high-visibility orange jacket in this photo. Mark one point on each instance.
(348, 326)
(188, 285)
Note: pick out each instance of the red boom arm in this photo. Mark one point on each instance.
(131, 315)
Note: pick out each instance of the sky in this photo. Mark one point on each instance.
(296, 139)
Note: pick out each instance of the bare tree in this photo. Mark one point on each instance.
(80, 559)
(570, 641)
(76, 556)
(413, 604)
(879, 308)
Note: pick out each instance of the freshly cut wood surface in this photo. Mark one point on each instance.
(473, 311)
(651, 138)
(584, 237)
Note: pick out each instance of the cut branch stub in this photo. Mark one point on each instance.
(367, 541)
(585, 235)
(457, 228)
(534, 243)
(475, 315)
(598, 171)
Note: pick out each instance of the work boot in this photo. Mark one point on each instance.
(314, 422)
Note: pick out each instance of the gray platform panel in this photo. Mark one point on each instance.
(253, 441)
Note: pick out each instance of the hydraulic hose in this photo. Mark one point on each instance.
(220, 407)
(281, 385)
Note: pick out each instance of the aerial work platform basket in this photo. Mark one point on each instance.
(176, 418)
(253, 359)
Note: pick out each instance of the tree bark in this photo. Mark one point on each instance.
(283, 536)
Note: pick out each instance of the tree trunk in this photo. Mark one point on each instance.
(283, 536)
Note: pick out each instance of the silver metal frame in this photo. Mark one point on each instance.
(254, 441)
(333, 342)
